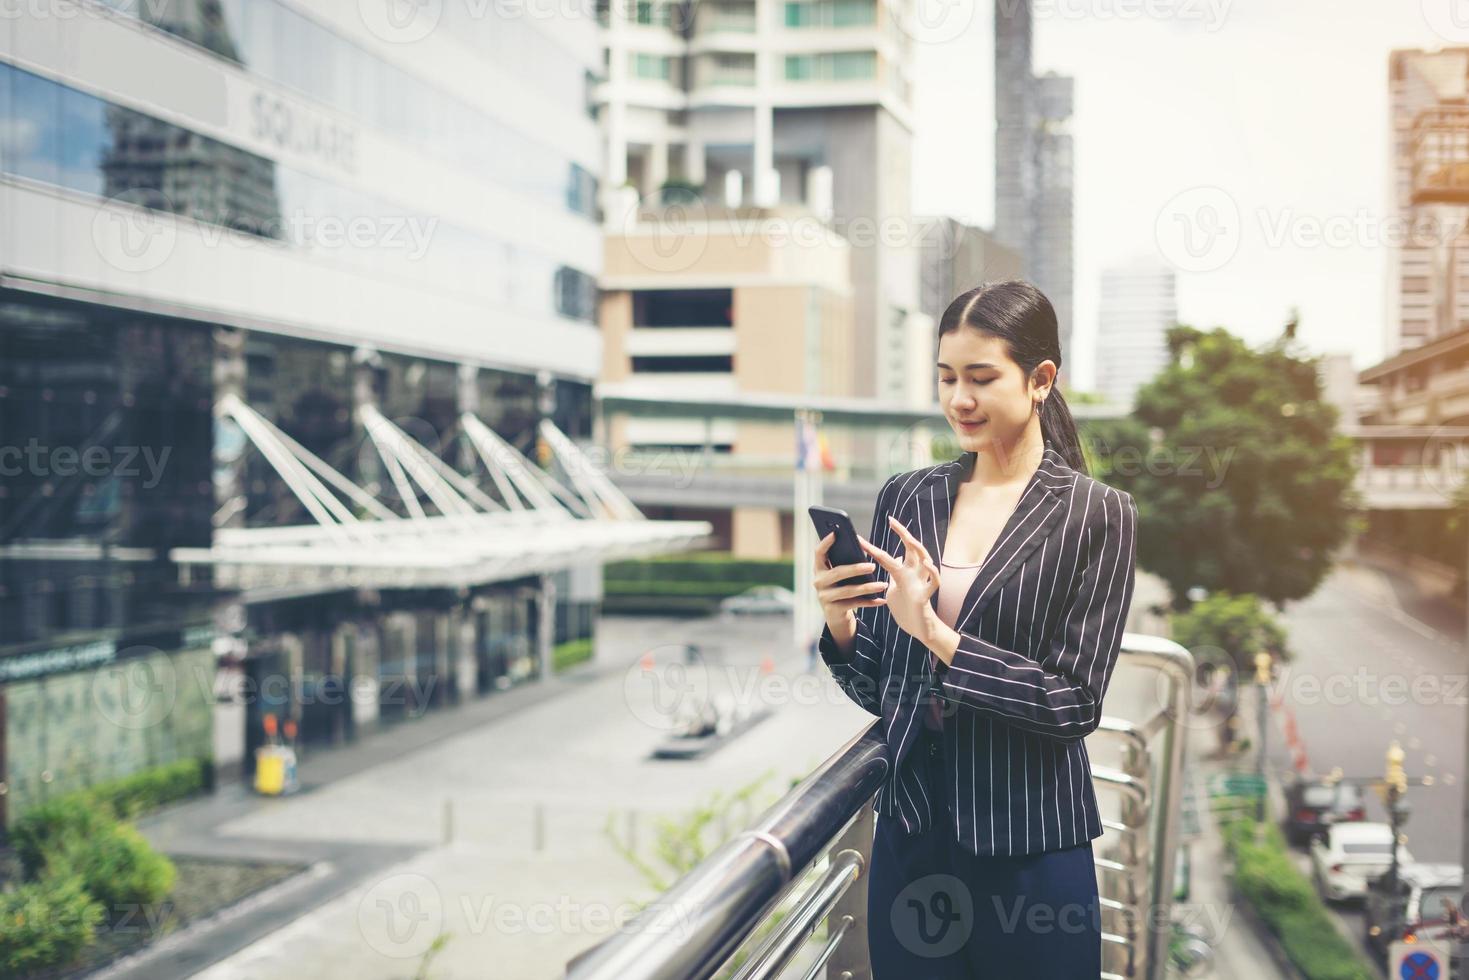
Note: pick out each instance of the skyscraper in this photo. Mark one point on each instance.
(1138, 305)
(1033, 165)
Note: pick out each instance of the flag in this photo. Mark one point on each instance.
(828, 462)
(807, 450)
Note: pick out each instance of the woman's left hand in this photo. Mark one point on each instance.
(914, 581)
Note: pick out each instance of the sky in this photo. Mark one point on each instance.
(1245, 142)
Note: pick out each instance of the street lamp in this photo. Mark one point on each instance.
(1262, 680)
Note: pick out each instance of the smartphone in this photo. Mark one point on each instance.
(845, 549)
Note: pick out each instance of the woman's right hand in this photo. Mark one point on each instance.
(840, 602)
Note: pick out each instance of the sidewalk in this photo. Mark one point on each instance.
(536, 788)
(206, 828)
(1239, 954)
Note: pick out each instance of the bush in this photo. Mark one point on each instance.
(118, 867)
(131, 796)
(1271, 882)
(1316, 948)
(1268, 879)
(571, 652)
(720, 570)
(79, 835)
(52, 825)
(46, 924)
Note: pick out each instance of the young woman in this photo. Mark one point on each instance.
(1004, 579)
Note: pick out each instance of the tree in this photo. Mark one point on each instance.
(1226, 631)
(1231, 629)
(1244, 484)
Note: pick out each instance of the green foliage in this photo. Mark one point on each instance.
(715, 567)
(79, 836)
(429, 955)
(127, 797)
(1232, 626)
(1115, 449)
(118, 867)
(134, 795)
(1268, 879)
(45, 924)
(691, 584)
(570, 653)
(53, 825)
(682, 842)
(1249, 486)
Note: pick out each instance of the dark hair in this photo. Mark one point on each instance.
(1021, 316)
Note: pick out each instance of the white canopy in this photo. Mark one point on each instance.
(536, 526)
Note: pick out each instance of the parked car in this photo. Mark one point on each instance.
(1348, 855)
(760, 599)
(1312, 805)
(1422, 891)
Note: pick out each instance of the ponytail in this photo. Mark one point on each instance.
(1059, 429)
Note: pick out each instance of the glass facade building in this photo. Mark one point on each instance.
(283, 209)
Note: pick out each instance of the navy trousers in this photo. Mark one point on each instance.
(936, 911)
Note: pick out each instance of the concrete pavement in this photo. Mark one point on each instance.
(526, 874)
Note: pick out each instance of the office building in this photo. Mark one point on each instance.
(737, 104)
(287, 322)
(1137, 306)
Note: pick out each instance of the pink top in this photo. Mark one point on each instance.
(954, 583)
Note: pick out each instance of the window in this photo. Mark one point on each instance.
(837, 66)
(652, 66)
(728, 68)
(90, 146)
(576, 294)
(581, 191)
(278, 43)
(736, 17)
(830, 13)
(690, 364)
(683, 308)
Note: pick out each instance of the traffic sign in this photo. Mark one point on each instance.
(1424, 959)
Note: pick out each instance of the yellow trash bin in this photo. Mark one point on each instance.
(270, 770)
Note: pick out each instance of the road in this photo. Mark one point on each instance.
(1369, 670)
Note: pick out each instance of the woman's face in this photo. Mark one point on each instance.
(980, 383)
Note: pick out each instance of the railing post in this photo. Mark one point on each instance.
(849, 960)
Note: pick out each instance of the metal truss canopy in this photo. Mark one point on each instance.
(451, 533)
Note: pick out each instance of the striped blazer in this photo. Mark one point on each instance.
(1040, 629)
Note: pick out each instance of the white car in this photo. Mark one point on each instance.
(1348, 855)
(760, 599)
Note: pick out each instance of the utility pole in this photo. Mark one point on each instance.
(1393, 788)
(1262, 682)
(1394, 793)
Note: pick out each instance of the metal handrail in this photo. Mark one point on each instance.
(724, 900)
(732, 890)
(1176, 665)
(782, 945)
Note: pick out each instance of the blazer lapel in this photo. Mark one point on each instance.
(1041, 505)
